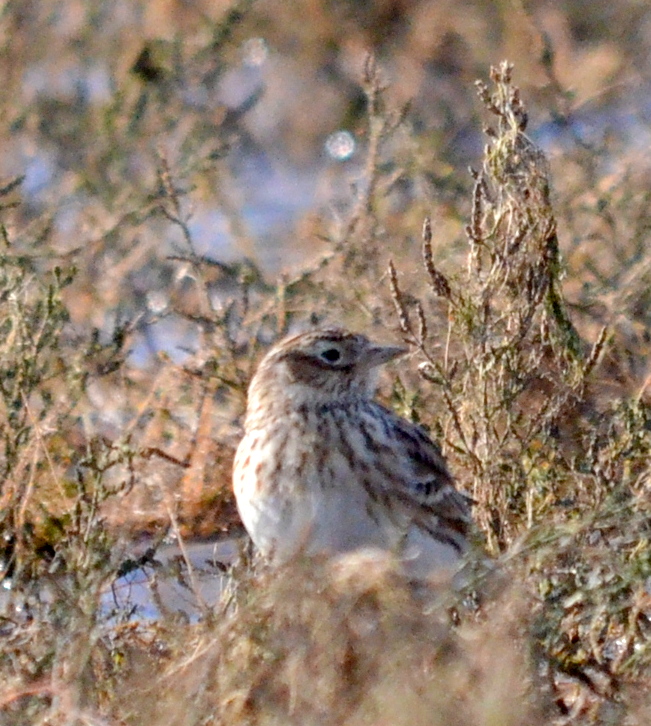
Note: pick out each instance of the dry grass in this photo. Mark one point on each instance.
(126, 344)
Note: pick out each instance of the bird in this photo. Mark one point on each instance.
(325, 469)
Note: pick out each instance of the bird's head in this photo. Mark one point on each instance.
(325, 365)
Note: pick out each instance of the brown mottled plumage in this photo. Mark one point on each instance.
(323, 468)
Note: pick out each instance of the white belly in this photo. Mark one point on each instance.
(314, 509)
(301, 516)
(305, 507)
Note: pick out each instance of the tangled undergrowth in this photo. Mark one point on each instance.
(528, 366)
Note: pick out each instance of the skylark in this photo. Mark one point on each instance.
(323, 468)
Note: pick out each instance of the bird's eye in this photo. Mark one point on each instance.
(332, 355)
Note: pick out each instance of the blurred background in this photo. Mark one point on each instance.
(258, 110)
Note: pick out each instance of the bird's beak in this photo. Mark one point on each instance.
(380, 354)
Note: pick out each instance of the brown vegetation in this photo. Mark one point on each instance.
(136, 297)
